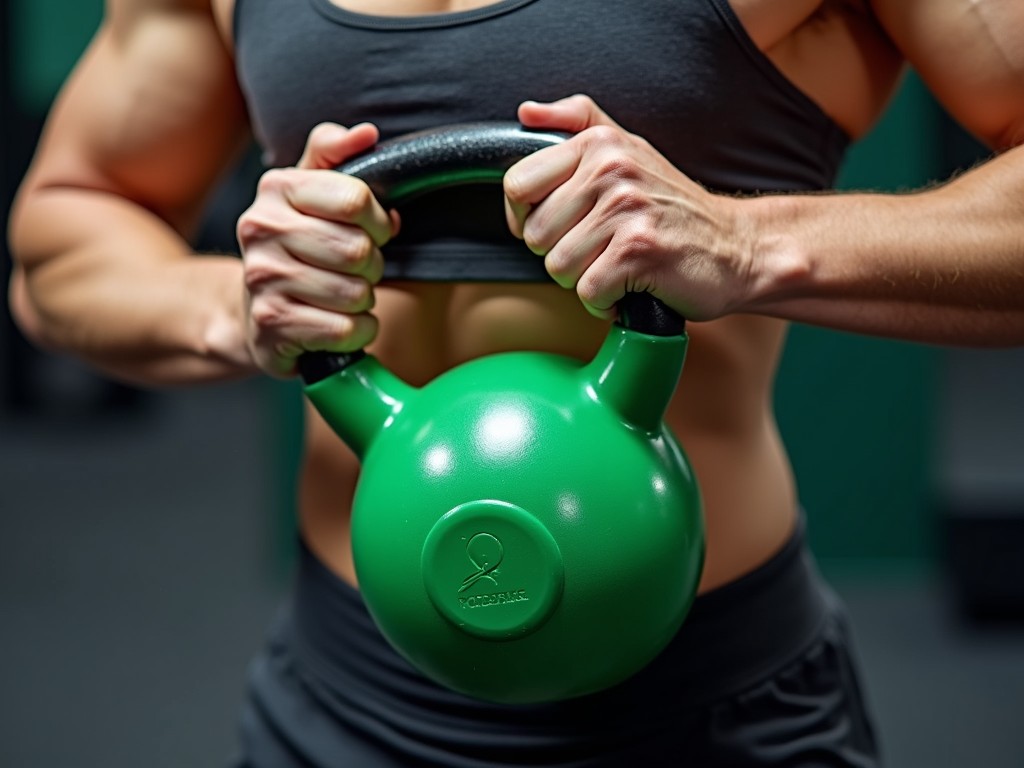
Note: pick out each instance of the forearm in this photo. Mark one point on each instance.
(114, 285)
(944, 265)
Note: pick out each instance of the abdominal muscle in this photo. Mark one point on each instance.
(721, 412)
(835, 52)
(831, 49)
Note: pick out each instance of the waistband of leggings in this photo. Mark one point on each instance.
(734, 636)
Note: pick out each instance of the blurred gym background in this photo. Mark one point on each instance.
(145, 537)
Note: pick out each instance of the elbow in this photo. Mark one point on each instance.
(24, 312)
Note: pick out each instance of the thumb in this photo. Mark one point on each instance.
(330, 144)
(573, 114)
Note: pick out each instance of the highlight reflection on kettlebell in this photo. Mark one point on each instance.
(505, 432)
(486, 553)
(561, 472)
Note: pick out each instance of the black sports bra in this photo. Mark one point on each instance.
(682, 73)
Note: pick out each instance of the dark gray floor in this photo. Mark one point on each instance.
(947, 694)
(137, 575)
(139, 565)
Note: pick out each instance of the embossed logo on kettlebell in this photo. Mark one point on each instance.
(485, 552)
(492, 570)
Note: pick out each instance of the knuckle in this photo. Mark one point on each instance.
(348, 332)
(582, 100)
(362, 294)
(555, 269)
(375, 269)
(353, 295)
(533, 235)
(260, 273)
(321, 132)
(353, 197)
(255, 226)
(274, 180)
(357, 252)
(267, 316)
(337, 331)
(603, 134)
(623, 198)
(639, 238)
(588, 289)
(365, 330)
(514, 187)
(559, 268)
(248, 229)
(615, 166)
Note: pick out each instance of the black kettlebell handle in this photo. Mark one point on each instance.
(404, 167)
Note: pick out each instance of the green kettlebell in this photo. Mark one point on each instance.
(525, 527)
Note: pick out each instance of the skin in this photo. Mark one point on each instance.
(117, 285)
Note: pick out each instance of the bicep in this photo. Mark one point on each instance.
(151, 114)
(971, 55)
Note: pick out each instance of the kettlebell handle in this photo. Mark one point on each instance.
(402, 168)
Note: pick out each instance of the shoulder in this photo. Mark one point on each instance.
(129, 10)
(971, 55)
(123, 16)
(152, 112)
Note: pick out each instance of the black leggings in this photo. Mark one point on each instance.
(761, 674)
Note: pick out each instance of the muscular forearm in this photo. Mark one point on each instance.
(115, 286)
(944, 265)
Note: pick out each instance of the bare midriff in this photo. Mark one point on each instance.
(722, 411)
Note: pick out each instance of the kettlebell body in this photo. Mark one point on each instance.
(525, 528)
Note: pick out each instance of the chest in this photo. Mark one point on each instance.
(411, 7)
(766, 21)
(682, 73)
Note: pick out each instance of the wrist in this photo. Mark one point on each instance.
(779, 265)
(224, 333)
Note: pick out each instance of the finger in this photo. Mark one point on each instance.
(554, 217)
(336, 197)
(273, 226)
(533, 178)
(339, 248)
(330, 332)
(577, 250)
(272, 274)
(617, 270)
(600, 289)
(573, 114)
(329, 144)
(329, 291)
(281, 337)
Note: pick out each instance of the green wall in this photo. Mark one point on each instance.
(857, 413)
(47, 38)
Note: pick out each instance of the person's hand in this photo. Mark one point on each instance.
(311, 248)
(611, 215)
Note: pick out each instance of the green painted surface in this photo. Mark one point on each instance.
(857, 413)
(284, 408)
(48, 36)
(524, 529)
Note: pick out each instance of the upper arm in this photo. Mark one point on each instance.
(971, 55)
(151, 114)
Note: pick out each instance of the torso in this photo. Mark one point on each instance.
(749, 493)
